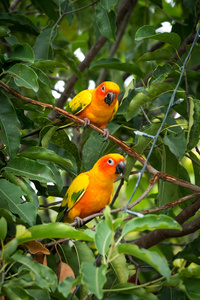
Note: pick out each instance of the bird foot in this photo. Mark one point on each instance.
(105, 134)
(87, 122)
(79, 221)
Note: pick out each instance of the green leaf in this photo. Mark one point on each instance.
(196, 168)
(22, 52)
(43, 46)
(43, 276)
(150, 257)
(24, 76)
(116, 64)
(71, 62)
(191, 253)
(53, 230)
(194, 124)
(159, 54)
(16, 292)
(36, 152)
(94, 146)
(146, 32)
(103, 237)
(94, 278)
(31, 169)
(108, 4)
(150, 222)
(150, 94)
(10, 132)
(4, 31)
(119, 265)
(84, 253)
(160, 73)
(20, 23)
(3, 228)
(12, 194)
(168, 192)
(66, 285)
(48, 7)
(176, 143)
(106, 23)
(10, 218)
(49, 65)
(192, 288)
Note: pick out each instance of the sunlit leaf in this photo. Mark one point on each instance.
(194, 124)
(94, 278)
(24, 76)
(150, 257)
(103, 237)
(146, 32)
(150, 222)
(106, 23)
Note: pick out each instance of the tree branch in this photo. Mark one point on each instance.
(158, 235)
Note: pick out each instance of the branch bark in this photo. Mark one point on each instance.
(158, 235)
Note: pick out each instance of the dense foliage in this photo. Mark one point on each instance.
(50, 51)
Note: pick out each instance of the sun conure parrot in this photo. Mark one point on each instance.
(91, 191)
(96, 106)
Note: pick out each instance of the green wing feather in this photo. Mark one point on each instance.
(79, 102)
(73, 195)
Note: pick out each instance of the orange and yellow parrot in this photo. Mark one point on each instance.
(96, 106)
(91, 191)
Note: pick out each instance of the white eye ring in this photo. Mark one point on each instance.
(110, 161)
(103, 88)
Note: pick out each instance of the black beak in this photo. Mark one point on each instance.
(120, 168)
(109, 98)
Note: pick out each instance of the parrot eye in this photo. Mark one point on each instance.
(103, 88)
(110, 161)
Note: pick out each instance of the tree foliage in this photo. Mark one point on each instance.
(155, 256)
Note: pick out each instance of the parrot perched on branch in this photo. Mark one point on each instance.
(95, 106)
(91, 191)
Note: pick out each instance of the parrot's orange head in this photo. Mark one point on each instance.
(111, 165)
(108, 91)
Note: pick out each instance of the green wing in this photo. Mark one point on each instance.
(79, 102)
(73, 195)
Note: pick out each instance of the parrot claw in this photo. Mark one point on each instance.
(106, 134)
(79, 221)
(87, 122)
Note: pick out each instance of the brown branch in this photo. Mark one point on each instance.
(144, 212)
(158, 235)
(196, 162)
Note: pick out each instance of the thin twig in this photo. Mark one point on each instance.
(196, 162)
(63, 14)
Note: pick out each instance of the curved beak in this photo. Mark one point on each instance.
(120, 168)
(109, 98)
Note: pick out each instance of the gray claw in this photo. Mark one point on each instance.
(87, 122)
(79, 221)
(106, 134)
